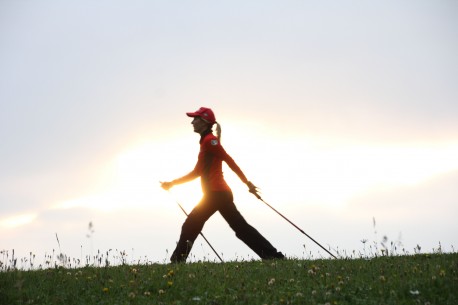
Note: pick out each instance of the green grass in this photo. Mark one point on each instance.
(408, 279)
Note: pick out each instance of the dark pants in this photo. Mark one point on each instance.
(222, 202)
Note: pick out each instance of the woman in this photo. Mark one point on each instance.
(217, 196)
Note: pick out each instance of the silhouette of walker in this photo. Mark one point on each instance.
(217, 195)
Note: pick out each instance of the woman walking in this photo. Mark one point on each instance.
(217, 195)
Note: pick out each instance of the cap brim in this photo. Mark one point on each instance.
(192, 114)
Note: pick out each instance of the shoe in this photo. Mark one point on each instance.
(277, 255)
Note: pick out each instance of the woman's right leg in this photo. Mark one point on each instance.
(191, 228)
(244, 231)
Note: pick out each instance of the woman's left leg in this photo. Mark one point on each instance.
(191, 228)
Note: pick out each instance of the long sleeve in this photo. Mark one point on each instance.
(188, 177)
(232, 165)
(209, 166)
(219, 151)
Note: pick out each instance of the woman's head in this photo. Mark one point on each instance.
(204, 118)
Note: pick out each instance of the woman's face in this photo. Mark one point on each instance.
(199, 125)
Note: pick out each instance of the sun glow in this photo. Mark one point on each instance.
(17, 221)
(132, 180)
(329, 172)
(288, 170)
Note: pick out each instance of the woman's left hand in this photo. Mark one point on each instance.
(253, 189)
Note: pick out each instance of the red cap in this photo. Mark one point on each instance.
(205, 113)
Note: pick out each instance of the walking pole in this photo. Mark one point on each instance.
(254, 192)
(201, 234)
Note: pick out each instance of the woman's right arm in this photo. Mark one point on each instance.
(186, 178)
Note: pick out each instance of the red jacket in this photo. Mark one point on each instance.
(209, 166)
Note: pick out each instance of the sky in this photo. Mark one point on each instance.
(344, 113)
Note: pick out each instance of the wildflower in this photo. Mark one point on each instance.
(191, 275)
(311, 271)
(169, 283)
(147, 293)
(313, 292)
(382, 278)
(105, 289)
(414, 292)
(134, 271)
(442, 273)
(170, 273)
(271, 282)
(161, 291)
(131, 295)
(299, 294)
(337, 289)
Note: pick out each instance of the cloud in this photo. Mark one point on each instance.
(74, 96)
(439, 192)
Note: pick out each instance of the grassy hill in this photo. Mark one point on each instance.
(415, 279)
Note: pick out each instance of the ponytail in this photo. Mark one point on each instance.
(218, 131)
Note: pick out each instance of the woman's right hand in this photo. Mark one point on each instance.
(166, 185)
